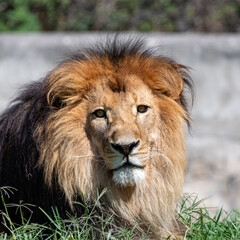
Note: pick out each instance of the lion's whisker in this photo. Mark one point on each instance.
(162, 155)
(84, 156)
(139, 153)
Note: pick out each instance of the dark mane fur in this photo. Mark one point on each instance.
(19, 152)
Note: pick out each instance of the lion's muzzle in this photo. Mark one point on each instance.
(125, 149)
(128, 171)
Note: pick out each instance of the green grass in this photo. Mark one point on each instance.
(200, 223)
(89, 226)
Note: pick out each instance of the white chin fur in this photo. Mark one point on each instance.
(128, 176)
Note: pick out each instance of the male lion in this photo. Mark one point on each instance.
(110, 117)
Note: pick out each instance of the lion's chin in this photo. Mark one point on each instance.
(128, 176)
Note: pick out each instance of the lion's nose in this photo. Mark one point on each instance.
(125, 149)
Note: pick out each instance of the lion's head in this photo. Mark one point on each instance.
(111, 117)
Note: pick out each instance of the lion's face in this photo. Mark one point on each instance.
(119, 124)
(123, 129)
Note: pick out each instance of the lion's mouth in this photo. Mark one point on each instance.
(128, 174)
(127, 165)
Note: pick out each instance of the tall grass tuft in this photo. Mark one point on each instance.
(203, 224)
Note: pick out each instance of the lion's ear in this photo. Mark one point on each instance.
(55, 97)
(176, 83)
(62, 87)
(58, 97)
(168, 79)
(181, 88)
(57, 103)
(173, 80)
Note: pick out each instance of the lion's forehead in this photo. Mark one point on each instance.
(133, 91)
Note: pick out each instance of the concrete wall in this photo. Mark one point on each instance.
(213, 148)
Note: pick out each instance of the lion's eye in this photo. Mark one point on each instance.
(142, 108)
(100, 113)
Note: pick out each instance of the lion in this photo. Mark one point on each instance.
(109, 117)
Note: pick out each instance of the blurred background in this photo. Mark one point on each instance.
(120, 15)
(35, 35)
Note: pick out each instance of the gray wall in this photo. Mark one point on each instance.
(213, 148)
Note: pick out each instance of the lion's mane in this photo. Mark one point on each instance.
(45, 143)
